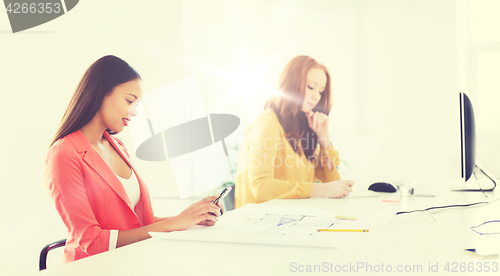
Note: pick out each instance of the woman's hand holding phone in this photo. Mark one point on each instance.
(203, 212)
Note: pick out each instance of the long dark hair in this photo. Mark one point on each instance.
(97, 82)
(292, 84)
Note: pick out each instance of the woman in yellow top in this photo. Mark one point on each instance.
(280, 157)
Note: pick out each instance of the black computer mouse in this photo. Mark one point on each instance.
(382, 187)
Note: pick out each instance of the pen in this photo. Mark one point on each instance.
(343, 230)
(425, 195)
(474, 253)
(340, 173)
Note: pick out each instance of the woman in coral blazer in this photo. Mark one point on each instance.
(85, 163)
(287, 152)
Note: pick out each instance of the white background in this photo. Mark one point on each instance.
(396, 68)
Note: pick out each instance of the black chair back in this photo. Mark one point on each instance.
(42, 264)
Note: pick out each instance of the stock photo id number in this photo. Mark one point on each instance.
(25, 15)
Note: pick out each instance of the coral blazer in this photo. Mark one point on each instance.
(89, 196)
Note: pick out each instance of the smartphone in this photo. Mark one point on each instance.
(223, 194)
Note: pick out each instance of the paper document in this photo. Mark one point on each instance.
(362, 193)
(271, 224)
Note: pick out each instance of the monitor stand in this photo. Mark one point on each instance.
(476, 183)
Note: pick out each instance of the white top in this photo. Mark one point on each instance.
(131, 186)
(133, 190)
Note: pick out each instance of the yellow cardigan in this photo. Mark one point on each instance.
(269, 168)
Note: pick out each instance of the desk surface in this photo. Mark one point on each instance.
(410, 242)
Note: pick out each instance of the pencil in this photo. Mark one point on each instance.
(343, 230)
(340, 173)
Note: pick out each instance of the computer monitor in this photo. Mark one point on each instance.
(468, 136)
(468, 149)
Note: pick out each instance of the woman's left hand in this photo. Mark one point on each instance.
(318, 122)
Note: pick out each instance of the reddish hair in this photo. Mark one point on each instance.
(288, 105)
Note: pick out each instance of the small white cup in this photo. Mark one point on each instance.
(408, 187)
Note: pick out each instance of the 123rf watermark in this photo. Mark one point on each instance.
(366, 267)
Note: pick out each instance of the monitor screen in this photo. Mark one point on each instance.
(468, 136)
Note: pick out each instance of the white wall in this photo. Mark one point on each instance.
(484, 68)
(406, 97)
(393, 78)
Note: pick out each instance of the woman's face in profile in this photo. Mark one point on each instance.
(119, 106)
(315, 85)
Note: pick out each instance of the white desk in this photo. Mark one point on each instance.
(410, 239)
